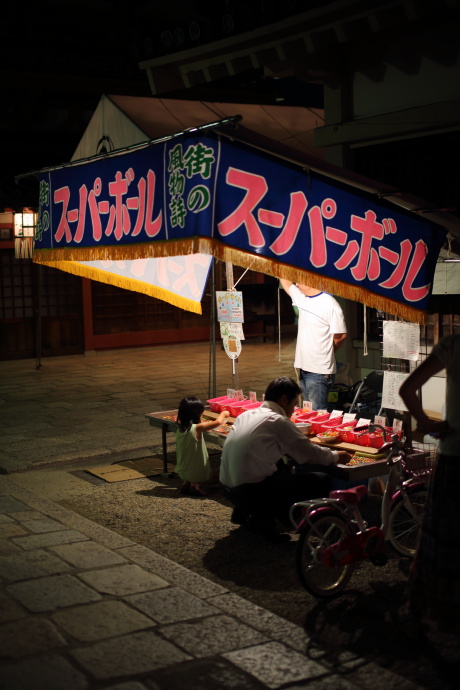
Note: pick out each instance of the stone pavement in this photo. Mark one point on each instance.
(84, 407)
(82, 607)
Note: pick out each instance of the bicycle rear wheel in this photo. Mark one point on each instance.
(319, 579)
(403, 527)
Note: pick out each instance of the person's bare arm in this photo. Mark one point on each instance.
(408, 392)
(211, 423)
(344, 457)
(339, 339)
(286, 284)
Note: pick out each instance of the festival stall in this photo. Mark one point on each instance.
(218, 189)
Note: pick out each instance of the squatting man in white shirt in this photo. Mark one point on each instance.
(258, 482)
(321, 331)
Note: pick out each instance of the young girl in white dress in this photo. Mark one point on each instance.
(192, 463)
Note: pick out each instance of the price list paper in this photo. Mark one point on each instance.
(392, 382)
(401, 340)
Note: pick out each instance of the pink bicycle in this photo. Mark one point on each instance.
(334, 536)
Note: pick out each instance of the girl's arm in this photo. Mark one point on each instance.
(211, 423)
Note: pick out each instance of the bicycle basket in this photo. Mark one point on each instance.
(418, 464)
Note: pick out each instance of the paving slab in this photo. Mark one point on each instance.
(10, 610)
(29, 636)
(213, 673)
(51, 672)
(8, 504)
(274, 665)
(41, 525)
(129, 655)
(51, 593)
(171, 605)
(38, 541)
(102, 620)
(122, 580)
(87, 554)
(8, 529)
(172, 572)
(30, 565)
(212, 635)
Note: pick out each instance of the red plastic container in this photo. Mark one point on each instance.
(229, 403)
(225, 404)
(306, 416)
(360, 437)
(237, 408)
(245, 405)
(375, 440)
(214, 403)
(317, 421)
(390, 431)
(330, 424)
(333, 422)
(346, 429)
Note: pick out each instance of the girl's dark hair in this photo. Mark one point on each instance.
(282, 386)
(190, 411)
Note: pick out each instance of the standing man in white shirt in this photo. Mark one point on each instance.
(321, 331)
(261, 491)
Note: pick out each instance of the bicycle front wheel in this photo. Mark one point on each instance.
(319, 579)
(404, 526)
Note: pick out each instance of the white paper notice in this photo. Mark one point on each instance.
(392, 381)
(336, 413)
(401, 340)
(235, 329)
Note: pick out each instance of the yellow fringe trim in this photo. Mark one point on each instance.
(126, 283)
(260, 264)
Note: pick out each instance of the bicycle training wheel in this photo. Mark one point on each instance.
(318, 578)
(403, 527)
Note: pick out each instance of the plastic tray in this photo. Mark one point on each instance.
(251, 405)
(345, 434)
(239, 407)
(228, 403)
(214, 403)
(306, 416)
(330, 424)
(316, 422)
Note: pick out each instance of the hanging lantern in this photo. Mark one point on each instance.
(25, 223)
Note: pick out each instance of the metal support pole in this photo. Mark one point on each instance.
(213, 328)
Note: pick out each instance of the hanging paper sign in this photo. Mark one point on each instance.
(401, 340)
(230, 306)
(392, 382)
(235, 329)
(232, 347)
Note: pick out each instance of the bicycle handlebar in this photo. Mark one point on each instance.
(374, 427)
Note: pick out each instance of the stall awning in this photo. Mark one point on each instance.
(208, 193)
(124, 121)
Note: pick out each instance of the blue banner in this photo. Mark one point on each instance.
(251, 203)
